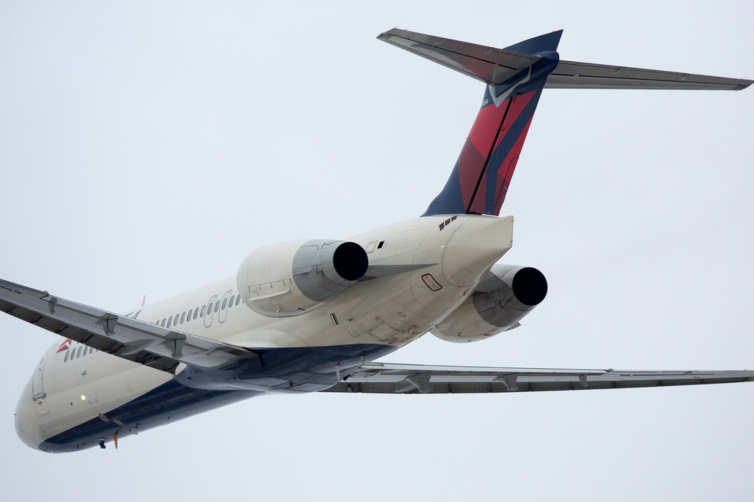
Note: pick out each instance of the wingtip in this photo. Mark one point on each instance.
(385, 34)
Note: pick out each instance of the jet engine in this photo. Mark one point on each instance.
(293, 278)
(503, 298)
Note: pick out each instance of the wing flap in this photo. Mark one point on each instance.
(130, 339)
(379, 378)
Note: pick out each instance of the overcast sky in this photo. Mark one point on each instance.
(147, 148)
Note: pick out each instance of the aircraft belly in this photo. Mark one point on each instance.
(166, 403)
(82, 401)
(153, 402)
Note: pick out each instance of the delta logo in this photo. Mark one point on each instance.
(64, 346)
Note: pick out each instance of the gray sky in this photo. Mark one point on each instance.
(146, 149)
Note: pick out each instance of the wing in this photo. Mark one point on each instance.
(137, 341)
(414, 378)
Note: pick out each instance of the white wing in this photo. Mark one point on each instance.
(137, 341)
(415, 378)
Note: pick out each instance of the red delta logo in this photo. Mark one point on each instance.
(64, 346)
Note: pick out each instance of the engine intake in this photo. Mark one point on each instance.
(293, 278)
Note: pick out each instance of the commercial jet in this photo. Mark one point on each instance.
(314, 315)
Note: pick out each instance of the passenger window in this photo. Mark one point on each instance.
(209, 309)
(65, 360)
(163, 322)
(230, 303)
(188, 317)
(183, 317)
(91, 350)
(217, 306)
(196, 311)
(202, 314)
(170, 319)
(86, 349)
(225, 302)
(78, 354)
(238, 298)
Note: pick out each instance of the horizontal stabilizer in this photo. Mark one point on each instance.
(490, 65)
(496, 66)
(575, 75)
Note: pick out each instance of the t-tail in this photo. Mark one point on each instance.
(514, 78)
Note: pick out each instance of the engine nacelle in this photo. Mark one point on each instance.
(502, 299)
(293, 278)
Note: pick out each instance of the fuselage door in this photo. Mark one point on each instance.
(37, 383)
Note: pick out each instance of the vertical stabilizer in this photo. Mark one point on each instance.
(483, 172)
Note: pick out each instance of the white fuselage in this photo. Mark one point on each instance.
(81, 385)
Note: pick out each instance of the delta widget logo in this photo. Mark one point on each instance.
(64, 346)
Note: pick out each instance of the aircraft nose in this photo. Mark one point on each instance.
(474, 247)
(27, 423)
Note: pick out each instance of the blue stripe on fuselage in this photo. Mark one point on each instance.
(194, 391)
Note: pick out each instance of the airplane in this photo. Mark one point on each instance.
(315, 315)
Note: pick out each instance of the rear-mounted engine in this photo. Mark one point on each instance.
(502, 299)
(293, 278)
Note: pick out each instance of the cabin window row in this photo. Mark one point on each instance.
(75, 354)
(193, 314)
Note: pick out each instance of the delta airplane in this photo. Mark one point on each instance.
(314, 315)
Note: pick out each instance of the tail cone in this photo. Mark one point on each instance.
(477, 244)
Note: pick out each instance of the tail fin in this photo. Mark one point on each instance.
(515, 77)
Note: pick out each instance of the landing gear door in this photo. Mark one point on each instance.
(37, 382)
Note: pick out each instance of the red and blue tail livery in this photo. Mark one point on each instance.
(484, 169)
(515, 77)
